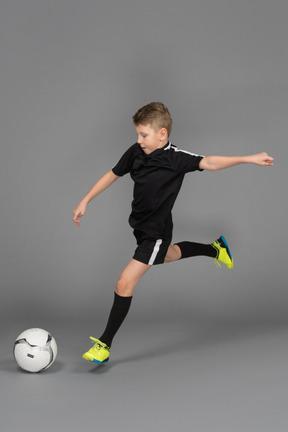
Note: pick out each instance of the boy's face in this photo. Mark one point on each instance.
(150, 138)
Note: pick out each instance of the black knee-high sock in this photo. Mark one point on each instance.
(117, 315)
(191, 249)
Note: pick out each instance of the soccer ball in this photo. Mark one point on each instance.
(35, 350)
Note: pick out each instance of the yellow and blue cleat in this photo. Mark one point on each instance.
(223, 253)
(99, 353)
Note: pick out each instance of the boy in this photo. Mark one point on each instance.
(157, 167)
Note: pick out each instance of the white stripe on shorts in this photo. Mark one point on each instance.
(155, 252)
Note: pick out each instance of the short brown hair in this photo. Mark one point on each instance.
(154, 112)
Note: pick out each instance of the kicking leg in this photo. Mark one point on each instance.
(218, 250)
(173, 253)
(188, 249)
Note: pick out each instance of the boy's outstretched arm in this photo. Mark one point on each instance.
(103, 183)
(214, 163)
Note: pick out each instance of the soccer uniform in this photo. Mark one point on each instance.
(157, 181)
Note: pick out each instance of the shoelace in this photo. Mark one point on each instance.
(217, 263)
(98, 346)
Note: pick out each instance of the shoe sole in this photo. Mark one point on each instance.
(226, 244)
(93, 360)
(229, 252)
(99, 362)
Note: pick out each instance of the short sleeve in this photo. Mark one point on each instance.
(124, 165)
(187, 162)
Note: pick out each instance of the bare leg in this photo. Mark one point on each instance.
(173, 253)
(129, 277)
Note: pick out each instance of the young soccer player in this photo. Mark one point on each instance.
(157, 168)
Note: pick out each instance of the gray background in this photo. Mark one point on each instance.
(201, 347)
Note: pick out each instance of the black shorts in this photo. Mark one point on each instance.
(150, 251)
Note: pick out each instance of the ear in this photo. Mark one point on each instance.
(163, 134)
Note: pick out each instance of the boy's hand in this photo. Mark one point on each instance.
(78, 212)
(262, 159)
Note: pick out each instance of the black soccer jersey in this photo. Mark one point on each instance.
(157, 181)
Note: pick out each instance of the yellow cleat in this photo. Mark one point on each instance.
(223, 253)
(99, 353)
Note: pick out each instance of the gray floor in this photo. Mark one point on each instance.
(205, 376)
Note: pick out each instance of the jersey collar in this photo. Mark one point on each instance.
(159, 150)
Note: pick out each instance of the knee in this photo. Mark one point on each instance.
(124, 288)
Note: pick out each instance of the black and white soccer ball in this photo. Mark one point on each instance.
(35, 350)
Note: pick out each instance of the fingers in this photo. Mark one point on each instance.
(79, 211)
(75, 218)
(265, 159)
(77, 221)
(269, 161)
